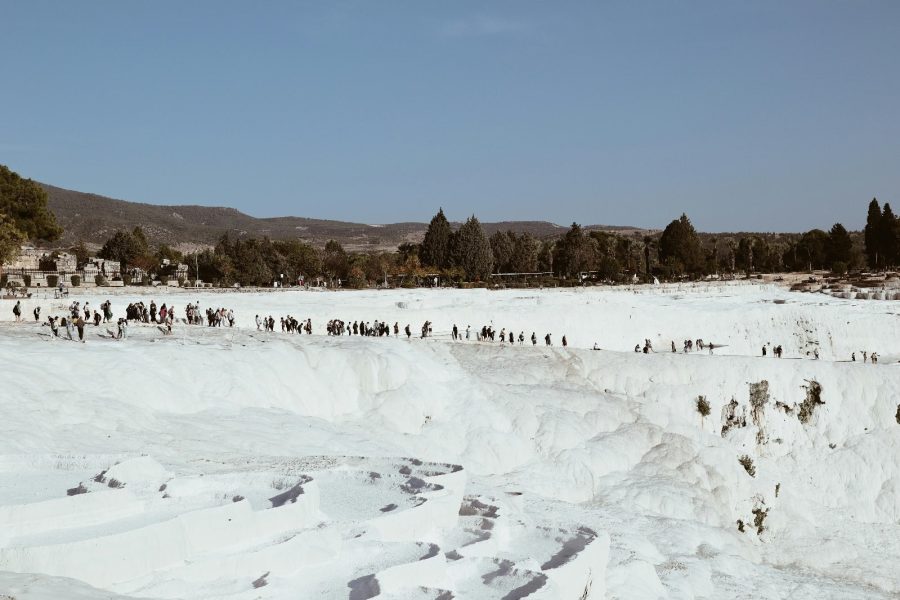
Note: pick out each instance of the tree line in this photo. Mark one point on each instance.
(679, 251)
(467, 254)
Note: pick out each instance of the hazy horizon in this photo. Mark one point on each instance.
(748, 117)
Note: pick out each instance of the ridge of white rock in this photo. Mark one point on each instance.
(230, 463)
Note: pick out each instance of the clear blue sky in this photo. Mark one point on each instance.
(772, 115)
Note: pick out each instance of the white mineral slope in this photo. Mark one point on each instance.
(738, 315)
(432, 469)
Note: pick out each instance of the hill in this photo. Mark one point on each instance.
(93, 219)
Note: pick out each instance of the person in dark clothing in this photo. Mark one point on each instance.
(533, 339)
(547, 340)
(564, 342)
(79, 324)
(37, 313)
(408, 332)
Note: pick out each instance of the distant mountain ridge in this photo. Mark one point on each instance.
(93, 219)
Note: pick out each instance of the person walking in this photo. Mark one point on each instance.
(17, 310)
(79, 324)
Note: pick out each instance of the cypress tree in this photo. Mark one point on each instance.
(525, 254)
(436, 245)
(473, 251)
(871, 234)
(502, 245)
(888, 236)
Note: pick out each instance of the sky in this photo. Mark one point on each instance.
(746, 115)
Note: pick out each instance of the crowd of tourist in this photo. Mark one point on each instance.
(79, 316)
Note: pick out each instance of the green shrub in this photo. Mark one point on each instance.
(759, 518)
(812, 400)
(99, 280)
(703, 406)
(747, 463)
(52, 281)
(76, 280)
(27, 279)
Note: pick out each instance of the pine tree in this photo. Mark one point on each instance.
(573, 253)
(812, 249)
(743, 256)
(761, 255)
(10, 239)
(679, 246)
(335, 260)
(871, 234)
(24, 203)
(545, 256)
(122, 247)
(473, 251)
(436, 245)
